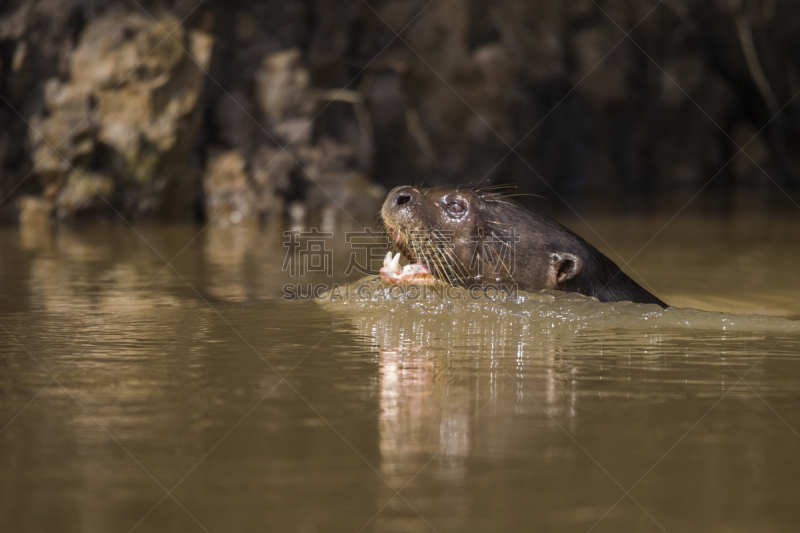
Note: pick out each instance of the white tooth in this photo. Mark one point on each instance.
(395, 264)
(387, 259)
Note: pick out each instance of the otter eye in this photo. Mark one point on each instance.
(456, 209)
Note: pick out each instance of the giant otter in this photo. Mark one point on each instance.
(467, 237)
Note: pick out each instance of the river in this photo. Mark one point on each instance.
(156, 379)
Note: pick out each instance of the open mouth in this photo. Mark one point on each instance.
(415, 272)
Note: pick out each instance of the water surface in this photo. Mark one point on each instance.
(137, 396)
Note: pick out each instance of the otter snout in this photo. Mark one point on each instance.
(401, 206)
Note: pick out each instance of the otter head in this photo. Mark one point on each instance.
(457, 235)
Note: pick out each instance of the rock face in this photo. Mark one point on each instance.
(282, 93)
(308, 104)
(289, 164)
(121, 131)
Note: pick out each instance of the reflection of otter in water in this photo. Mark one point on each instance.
(471, 238)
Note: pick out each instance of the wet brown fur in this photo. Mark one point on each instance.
(477, 248)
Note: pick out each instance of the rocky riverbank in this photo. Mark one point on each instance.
(232, 110)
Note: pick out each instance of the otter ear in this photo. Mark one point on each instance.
(564, 267)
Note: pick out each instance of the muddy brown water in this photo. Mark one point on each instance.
(140, 397)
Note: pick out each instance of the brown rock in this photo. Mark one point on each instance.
(282, 92)
(226, 180)
(127, 117)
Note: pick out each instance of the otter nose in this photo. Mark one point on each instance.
(404, 196)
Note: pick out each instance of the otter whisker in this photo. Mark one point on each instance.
(442, 271)
(437, 265)
(471, 186)
(456, 265)
(500, 230)
(494, 200)
(436, 256)
(499, 258)
(450, 260)
(462, 272)
(495, 188)
(520, 194)
(445, 272)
